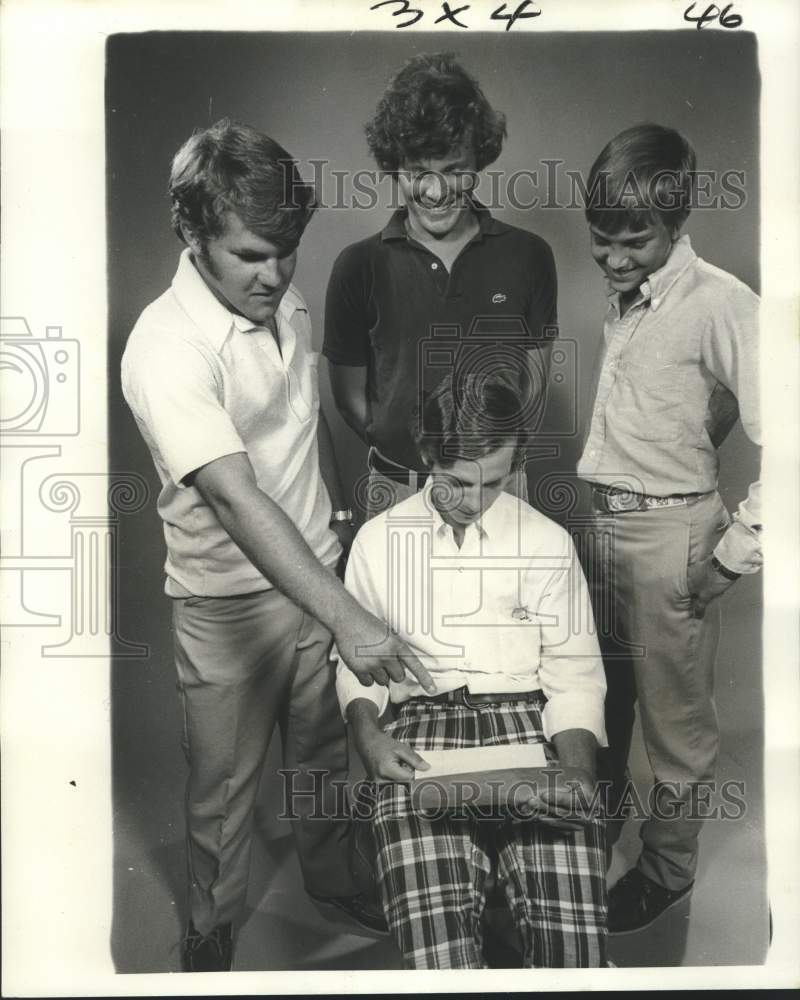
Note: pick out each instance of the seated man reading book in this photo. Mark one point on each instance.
(490, 594)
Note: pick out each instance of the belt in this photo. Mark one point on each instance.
(610, 500)
(397, 473)
(462, 696)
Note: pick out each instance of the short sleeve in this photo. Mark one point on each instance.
(176, 399)
(346, 340)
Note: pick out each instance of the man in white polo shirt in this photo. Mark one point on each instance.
(221, 378)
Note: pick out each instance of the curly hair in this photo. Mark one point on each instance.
(429, 108)
(234, 167)
(644, 174)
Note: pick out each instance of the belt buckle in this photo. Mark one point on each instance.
(621, 503)
(673, 501)
(466, 699)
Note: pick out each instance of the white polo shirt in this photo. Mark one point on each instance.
(203, 383)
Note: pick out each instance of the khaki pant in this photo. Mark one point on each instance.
(244, 664)
(656, 649)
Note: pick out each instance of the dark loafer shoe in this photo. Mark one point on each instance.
(212, 952)
(358, 908)
(636, 901)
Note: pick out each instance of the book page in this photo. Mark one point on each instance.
(477, 759)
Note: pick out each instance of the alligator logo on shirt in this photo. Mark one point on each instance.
(522, 614)
(498, 298)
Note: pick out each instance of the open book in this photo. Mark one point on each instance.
(484, 776)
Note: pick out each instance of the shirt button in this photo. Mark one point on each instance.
(434, 266)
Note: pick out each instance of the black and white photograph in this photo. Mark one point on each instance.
(389, 584)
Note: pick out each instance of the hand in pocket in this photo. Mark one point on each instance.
(705, 585)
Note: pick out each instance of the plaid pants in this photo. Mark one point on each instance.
(432, 870)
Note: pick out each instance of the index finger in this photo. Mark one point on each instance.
(415, 667)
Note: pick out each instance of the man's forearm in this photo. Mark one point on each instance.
(356, 419)
(349, 386)
(362, 714)
(362, 717)
(270, 540)
(273, 544)
(533, 378)
(577, 748)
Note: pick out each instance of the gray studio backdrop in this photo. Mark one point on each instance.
(565, 95)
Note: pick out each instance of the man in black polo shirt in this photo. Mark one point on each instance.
(445, 287)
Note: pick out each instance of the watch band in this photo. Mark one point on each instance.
(342, 515)
(723, 570)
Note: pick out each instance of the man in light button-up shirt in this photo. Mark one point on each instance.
(679, 362)
(491, 596)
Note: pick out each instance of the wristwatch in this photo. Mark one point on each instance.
(723, 570)
(342, 515)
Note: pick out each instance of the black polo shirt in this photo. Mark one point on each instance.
(392, 306)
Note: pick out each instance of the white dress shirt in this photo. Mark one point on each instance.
(507, 611)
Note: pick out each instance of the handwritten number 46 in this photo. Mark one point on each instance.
(713, 13)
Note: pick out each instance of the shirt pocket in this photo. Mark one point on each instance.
(303, 376)
(649, 401)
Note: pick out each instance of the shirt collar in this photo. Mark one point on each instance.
(395, 228)
(209, 314)
(289, 304)
(660, 281)
(488, 525)
(658, 284)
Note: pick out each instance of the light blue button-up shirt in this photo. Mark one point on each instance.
(669, 378)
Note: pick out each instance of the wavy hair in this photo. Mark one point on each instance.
(429, 108)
